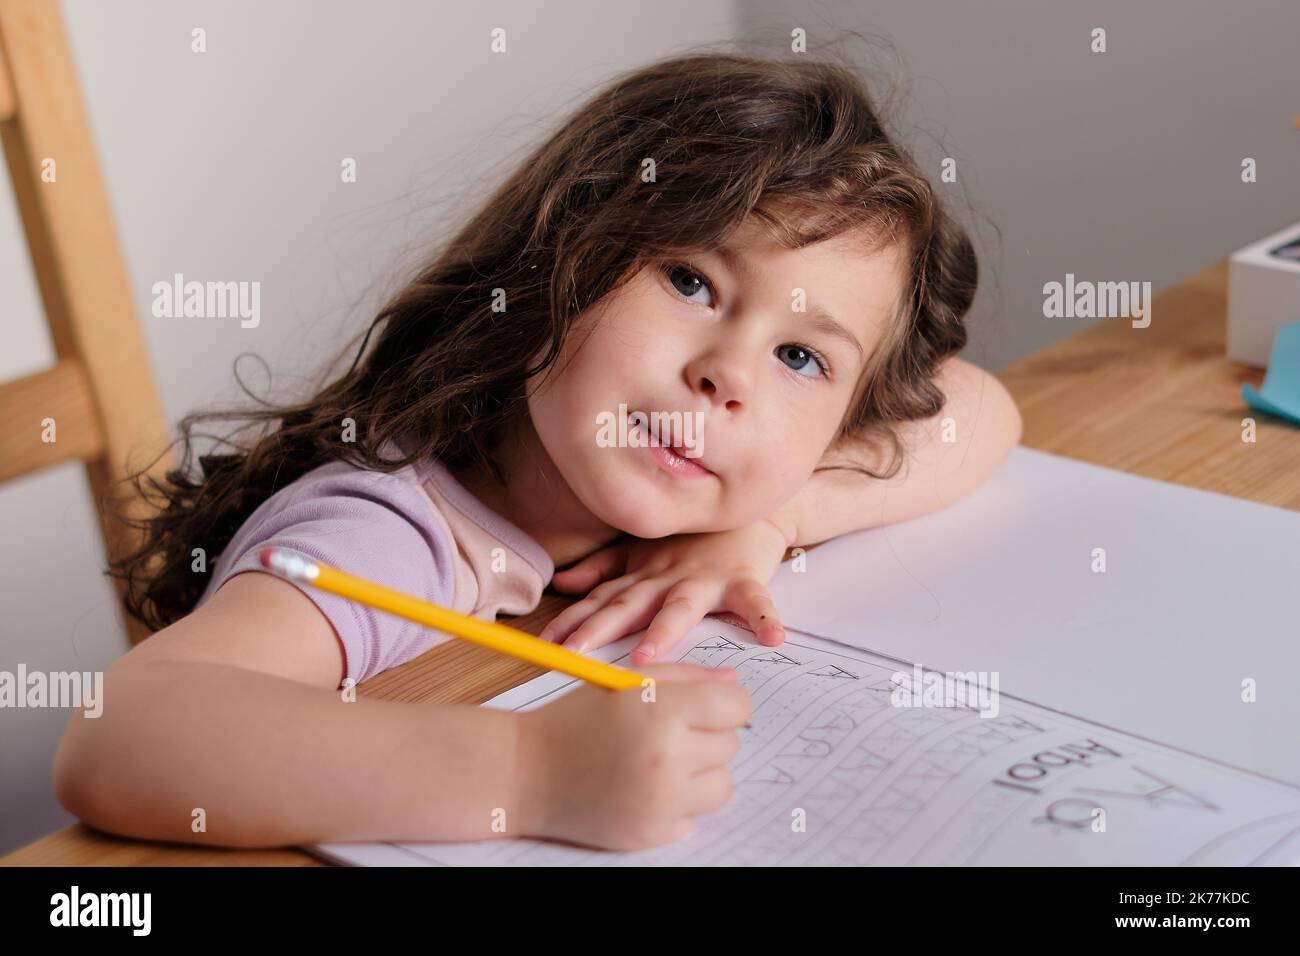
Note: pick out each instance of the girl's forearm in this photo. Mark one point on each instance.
(266, 761)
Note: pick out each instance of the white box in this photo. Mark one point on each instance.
(1263, 296)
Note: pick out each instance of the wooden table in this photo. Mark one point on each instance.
(1161, 402)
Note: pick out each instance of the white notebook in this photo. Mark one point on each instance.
(836, 769)
(1190, 636)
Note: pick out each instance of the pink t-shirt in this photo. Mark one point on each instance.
(417, 530)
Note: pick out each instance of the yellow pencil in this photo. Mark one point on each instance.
(499, 637)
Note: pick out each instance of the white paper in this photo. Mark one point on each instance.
(1198, 606)
(880, 784)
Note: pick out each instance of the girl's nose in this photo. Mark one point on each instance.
(726, 381)
(727, 363)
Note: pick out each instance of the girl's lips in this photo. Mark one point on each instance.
(672, 460)
(676, 464)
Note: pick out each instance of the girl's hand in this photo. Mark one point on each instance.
(671, 583)
(631, 769)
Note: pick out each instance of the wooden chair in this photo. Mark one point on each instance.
(101, 392)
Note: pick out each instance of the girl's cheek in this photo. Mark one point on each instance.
(757, 493)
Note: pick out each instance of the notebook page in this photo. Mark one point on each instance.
(1165, 610)
(836, 770)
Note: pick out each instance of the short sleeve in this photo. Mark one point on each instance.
(374, 525)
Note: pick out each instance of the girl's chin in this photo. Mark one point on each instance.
(643, 501)
(643, 525)
(641, 515)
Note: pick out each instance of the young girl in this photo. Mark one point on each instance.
(727, 238)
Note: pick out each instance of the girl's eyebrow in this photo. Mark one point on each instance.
(822, 321)
(818, 319)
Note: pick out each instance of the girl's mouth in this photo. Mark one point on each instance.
(672, 459)
(677, 464)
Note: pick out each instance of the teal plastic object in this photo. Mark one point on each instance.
(1280, 394)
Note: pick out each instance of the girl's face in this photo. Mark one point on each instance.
(759, 374)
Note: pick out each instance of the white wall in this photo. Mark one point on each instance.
(1115, 166)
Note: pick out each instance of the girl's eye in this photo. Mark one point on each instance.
(691, 283)
(803, 361)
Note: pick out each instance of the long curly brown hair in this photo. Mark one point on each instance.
(797, 143)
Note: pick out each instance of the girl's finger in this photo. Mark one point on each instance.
(749, 598)
(604, 564)
(563, 624)
(626, 613)
(708, 749)
(710, 791)
(684, 606)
